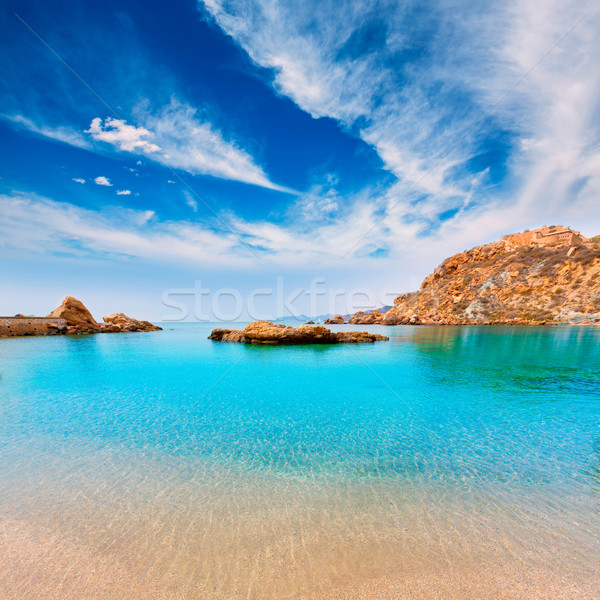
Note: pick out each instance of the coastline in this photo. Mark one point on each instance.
(71, 318)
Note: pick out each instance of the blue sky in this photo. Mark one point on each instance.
(149, 145)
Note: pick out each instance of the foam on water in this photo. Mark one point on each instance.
(199, 469)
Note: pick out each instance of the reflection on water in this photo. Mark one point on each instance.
(442, 456)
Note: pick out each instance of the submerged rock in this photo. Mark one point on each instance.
(266, 332)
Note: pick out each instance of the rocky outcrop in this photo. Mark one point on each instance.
(119, 322)
(508, 283)
(71, 317)
(76, 315)
(339, 320)
(266, 332)
(366, 318)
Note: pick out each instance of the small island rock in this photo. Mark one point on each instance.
(339, 320)
(267, 332)
(119, 322)
(366, 318)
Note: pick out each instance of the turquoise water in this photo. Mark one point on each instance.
(235, 471)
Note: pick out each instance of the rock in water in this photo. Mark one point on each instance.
(76, 315)
(266, 332)
(80, 320)
(119, 322)
(339, 320)
(362, 318)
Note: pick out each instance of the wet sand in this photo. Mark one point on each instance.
(38, 564)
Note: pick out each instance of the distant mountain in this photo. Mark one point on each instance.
(549, 275)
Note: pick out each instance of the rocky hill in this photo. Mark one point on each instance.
(550, 275)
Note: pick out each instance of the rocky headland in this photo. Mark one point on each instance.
(547, 276)
(71, 318)
(266, 332)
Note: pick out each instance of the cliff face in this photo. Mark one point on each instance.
(508, 282)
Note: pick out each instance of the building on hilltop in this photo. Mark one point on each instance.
(554, 235)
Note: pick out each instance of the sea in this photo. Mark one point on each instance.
(448, 462)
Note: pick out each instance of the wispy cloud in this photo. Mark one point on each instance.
(347, 64)
(39, 225)
(196, 146)
(103, 181)
(422, 87)
(78, 180)
(190, 201)
(64, 134)
(123, 192)
(141, 234)
(183, 141)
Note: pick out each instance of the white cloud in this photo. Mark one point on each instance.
(125, 137)
(78, 180)
(103, 181)
(66, 135)
(190, 201)
(64, 227)
(184, 141)
(123, 192)
(196, 146)
(426, 106)
(39, 225)
(311, 48)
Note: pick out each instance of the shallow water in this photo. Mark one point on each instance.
(172, 466)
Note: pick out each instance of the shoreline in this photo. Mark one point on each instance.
(4, 336)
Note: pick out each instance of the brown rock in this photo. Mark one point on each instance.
(359, 337)
(76, 315)
(339, 320)
(71, 317)
(391, 317)
(510, 282)
(266, 332)
(119, 322)
(363, 318)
